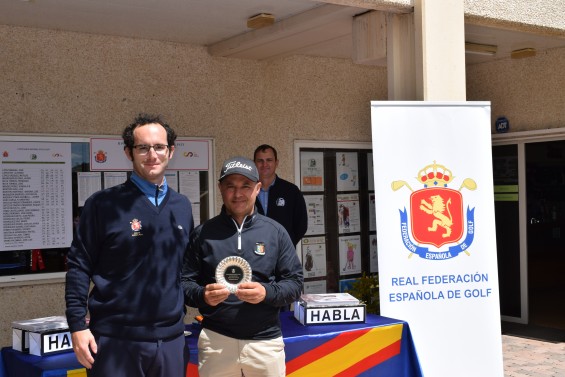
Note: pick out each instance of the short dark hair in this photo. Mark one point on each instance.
(141, 120)
(264, 148)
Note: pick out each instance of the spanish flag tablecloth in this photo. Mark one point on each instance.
(19, 364)
(379, 347)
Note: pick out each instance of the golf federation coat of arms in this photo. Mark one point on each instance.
(437, 222)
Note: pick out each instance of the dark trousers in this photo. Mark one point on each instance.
(126, 358)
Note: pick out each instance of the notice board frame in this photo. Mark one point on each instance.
(207, 196)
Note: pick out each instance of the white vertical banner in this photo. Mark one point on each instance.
(436, 232)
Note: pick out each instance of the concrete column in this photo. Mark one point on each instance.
(401, 61)
(369, 38)
(440, 50)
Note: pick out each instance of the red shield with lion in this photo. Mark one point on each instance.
(437, 216)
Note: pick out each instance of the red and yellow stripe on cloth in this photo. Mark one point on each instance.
(76, 373)
(349, 353)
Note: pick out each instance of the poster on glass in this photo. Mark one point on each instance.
(347, 171)
(348, 213)
(312, 171)
(350, 255)
(314, 256)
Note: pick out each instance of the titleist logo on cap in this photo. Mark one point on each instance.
(237, 164)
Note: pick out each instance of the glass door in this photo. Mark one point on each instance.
(506, 196)
(545, 187)
(529, 185)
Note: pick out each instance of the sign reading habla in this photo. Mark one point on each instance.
(437, 216)
(320, 315)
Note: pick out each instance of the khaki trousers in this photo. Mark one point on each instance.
(222, 356)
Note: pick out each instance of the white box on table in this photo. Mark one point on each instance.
(41, 336)
(329, 308)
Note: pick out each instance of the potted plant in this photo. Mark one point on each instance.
(366, 290)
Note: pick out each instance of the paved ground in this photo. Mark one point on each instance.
(524, 357)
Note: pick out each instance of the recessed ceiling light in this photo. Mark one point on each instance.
(260, 20)
(523, 53)
(480, 49)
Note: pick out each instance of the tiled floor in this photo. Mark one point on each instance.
(525, 357)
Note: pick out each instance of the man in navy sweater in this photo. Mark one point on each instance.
(130, 243)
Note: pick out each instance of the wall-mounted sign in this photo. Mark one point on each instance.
(502, 125)
(107, 154)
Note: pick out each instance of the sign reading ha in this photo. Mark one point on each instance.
(48, 343)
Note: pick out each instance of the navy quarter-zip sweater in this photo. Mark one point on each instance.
(132, 251)
(267, 247)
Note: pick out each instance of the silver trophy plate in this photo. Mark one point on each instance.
(232, 271)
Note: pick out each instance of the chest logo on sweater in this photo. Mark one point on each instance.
(280, 202)
(136, 227)
(260, 248)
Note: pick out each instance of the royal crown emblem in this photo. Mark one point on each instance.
(100, 156)
(437, 216)
(136, 227)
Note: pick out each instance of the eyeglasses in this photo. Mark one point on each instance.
(144, 148)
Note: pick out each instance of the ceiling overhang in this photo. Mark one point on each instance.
(319, 28)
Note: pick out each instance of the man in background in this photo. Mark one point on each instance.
(130, 243)
(279, 199)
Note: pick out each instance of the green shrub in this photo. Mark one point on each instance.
(366, 289)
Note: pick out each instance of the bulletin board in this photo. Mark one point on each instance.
(45, 180)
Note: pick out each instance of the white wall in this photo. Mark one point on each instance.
(529, 92)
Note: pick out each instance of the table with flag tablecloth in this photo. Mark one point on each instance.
(379, 347)
(18, 364)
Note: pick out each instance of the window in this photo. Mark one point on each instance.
(336, 180)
